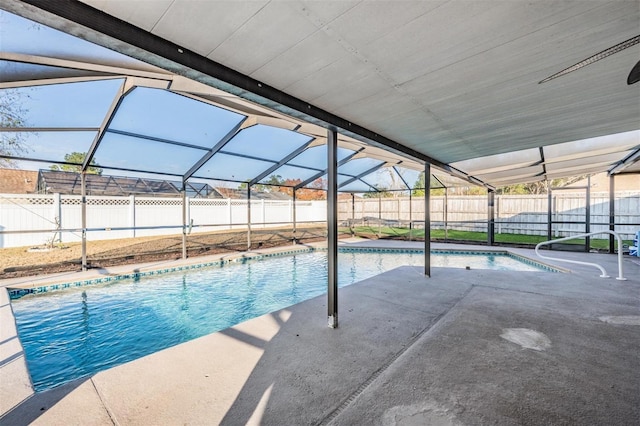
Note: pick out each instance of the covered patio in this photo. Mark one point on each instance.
(485, 93)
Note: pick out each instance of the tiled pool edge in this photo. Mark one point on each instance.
(18, 291)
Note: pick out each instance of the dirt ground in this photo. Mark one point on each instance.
(20, 261)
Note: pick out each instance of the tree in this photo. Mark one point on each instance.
(270, 185)
(77, 158)
(418, 187)
(381, 192)
(12, 115)
(539, 187)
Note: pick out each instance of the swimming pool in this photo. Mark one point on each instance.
(82, 330)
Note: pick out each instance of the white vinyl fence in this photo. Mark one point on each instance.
(151, 216)
(514, 214)
(30, 215)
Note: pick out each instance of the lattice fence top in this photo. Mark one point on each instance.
(107, 202)
(211, 202)
(26, 200)
(72, 201)
(158, 202)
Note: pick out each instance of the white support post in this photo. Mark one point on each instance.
(57, 215)
(132, 215)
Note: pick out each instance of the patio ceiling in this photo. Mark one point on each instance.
(456, 83)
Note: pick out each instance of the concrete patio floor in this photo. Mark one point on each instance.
(463, 347)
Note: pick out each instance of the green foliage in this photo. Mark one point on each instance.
(381, 192)
(78, 159)
(418, 187)
(12, 115)
(540, 187)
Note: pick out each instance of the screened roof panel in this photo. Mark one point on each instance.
(82, 104)
(20, 71)
(586, 161)
(271, 143)
(357, 166)
(52, 146)
(513, 174)
(496, 163)
(409, 175)
(356, 186)
(119, 151)
(167, 115)
(592, 147)
(316, 157)
(292, 173)
(229, 167)
(20, 35)
(577, 169)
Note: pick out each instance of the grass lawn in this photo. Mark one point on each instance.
(454, 235)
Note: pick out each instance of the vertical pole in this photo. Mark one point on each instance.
(587, 223)
(446, 213)
(353, 213)
(491, 220)
(295, 239)
(549, 207)
(379, 215)
(184, 221)
(427, 219)
(410, 214)
(132, 215)
(332, 227)
(498, 215)
(612, 212)
(57, 215)
(248, 217)
(83, 212)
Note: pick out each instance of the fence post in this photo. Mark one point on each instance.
(132, 215)
(57, 215)
(230, 213)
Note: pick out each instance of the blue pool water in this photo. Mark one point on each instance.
(82, 330)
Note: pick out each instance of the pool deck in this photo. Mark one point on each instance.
(462, 347)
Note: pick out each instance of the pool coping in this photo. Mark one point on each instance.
(18, 290)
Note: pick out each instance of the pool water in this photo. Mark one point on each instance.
(79, 331)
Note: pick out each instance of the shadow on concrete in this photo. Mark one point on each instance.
(37, 404)
(308, 372)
